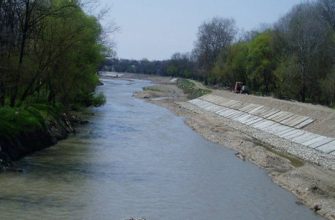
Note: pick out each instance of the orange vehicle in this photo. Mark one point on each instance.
(238, 87)
(241, 88)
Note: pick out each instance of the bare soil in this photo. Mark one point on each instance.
(313, 185)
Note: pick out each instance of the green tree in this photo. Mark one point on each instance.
(261, 63)
(51, 52)
(232, 67)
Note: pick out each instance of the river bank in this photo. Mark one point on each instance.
(50, 129)
(313, 185)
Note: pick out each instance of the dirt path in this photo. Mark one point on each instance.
(313, 185)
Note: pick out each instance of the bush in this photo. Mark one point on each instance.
(191, 89)
(14, 121)
(98, 99)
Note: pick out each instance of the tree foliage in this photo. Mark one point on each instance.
(308, 42)
(231, 66)
(49, 52)
(261, 63)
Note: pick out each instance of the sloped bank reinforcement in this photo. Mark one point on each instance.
(282, 130)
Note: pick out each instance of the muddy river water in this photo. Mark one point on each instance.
(135, 159)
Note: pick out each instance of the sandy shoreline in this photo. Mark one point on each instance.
(313, 185)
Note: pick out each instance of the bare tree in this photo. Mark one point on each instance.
(305, 33)
(213, 37)
(328, 11)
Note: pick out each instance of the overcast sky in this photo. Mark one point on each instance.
(155, 29)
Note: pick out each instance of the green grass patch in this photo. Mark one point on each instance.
(18, 120)
(152, 88)
(295, 161)
(14, 121)
(191, 89)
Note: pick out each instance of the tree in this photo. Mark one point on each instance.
(232, 67)
(328, 11)
(261, 63)
(214, 37)
(50, 51)
(305, 33)
(180, 65)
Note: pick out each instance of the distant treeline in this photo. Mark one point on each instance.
(49, 52)
(291, 59)
(179, 65)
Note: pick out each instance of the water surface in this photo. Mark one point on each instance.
(135, 159)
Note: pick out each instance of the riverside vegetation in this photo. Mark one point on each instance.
(291, 59)
(50, 51)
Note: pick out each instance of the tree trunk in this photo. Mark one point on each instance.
(21, 55)
(303, 83)
(2, 94)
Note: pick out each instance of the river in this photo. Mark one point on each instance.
(135, 159)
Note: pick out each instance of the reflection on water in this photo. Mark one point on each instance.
(135, 159)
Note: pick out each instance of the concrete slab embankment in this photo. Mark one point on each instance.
(286, 127)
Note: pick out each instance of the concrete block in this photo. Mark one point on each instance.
(289, 132)
(231, 103)
(261, 112)
(323, 141)
(269, 113)
(248, 107)
(237, 106)
(221, 109)
(252, 108)
(236, 114)
(304, 137)
(295, 134)
(215, 108)
(253, 120)
(290, 119)
(278, 129)
(315, 140)
(241, 114)
(327, 148)
(295, 120)
(263, 125)
(286, 131)
(208, 106)
(283, 117)
(223, 102)
(257, 109)
(278, 114)
(245, 118)
(230, 112)
(304, 123)
(226, 112)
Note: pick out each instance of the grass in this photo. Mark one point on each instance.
(14, 121)
(296, 162)
(191, 89)
(152, 88)
(17, 120)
